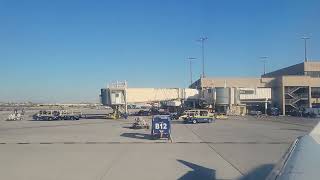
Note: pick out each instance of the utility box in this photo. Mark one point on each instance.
(161, 127)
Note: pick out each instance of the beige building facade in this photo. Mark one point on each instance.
(292, 88)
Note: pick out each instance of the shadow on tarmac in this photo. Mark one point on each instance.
(203, 173)
(177, 122)
(137, 135)
(52, 120)
(260, 172)
(197, 172)
(127, 127)
(95, 116)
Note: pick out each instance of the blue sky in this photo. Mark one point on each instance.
(65, 51)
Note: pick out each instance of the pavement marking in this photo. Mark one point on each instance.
(114, 142)
(114, 162)
(57, 125)
(294, 129)
(45, 143)
(284, 122)
(219, 154)
(91, 142)
(171, 138)
(69, 142)
(146, 142)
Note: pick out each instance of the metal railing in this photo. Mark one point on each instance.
(118, 84)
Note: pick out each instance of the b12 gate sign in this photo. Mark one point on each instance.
(161, 127)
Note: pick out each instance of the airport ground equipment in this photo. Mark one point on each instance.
(140, 123)
(188, 113)
(151, 112)
(49, 115)
(255, 113)
(195, 112)
(15, 117)
(161, 127)
(70, 115)
(199, 116)
(174, 116)
(221, 116)
(311, 112)
(143, 113)
(199, 119)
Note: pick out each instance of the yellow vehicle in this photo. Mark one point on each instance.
(221, 116)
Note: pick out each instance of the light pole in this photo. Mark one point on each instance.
(202, 39)
(305, 47)
(190, 59)
(264, 60)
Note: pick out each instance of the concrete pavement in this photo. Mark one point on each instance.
(237, 148)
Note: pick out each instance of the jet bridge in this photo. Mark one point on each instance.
(118, 95)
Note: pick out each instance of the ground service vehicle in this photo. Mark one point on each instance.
(143, 113)
(15, 117)
(273, 111)
(192, 112)
(161, 127)
(174, 116)
(199, 116)
(140, 123)
(255, 113)
(49, 115)
(66, 115)
(311, 112)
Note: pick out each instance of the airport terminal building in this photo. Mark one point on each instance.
(289, 89)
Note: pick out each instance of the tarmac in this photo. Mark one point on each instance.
(99, 149)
